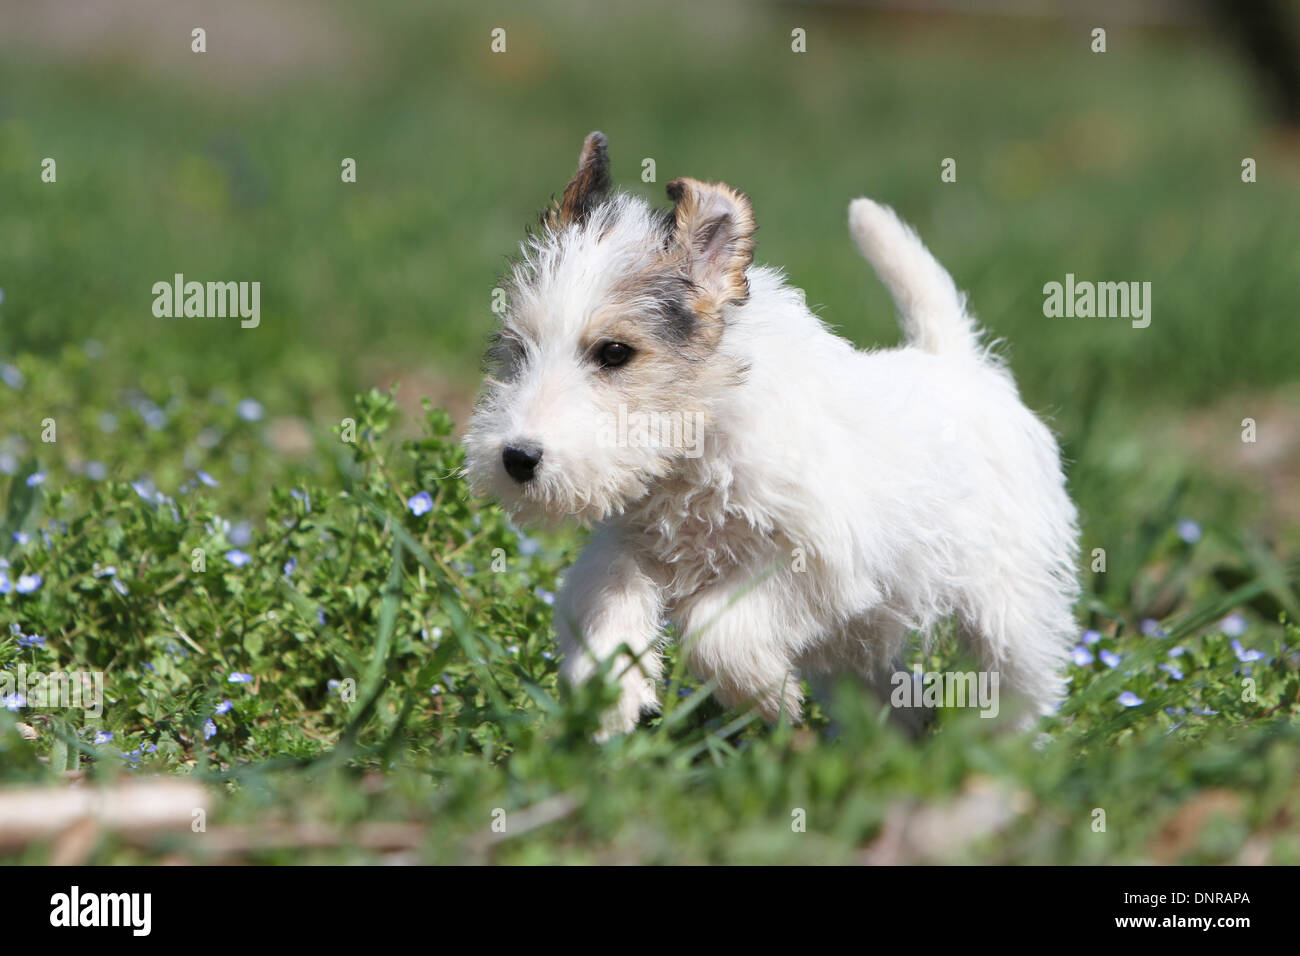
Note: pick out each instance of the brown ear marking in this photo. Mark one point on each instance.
(714, 234)
(589, 186)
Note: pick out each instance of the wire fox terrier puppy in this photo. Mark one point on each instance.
(793, 505)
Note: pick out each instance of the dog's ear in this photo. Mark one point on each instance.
(714, 233)
(589, 186)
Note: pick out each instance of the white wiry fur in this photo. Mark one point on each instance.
(842, 498)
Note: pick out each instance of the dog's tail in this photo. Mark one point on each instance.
(931, 310)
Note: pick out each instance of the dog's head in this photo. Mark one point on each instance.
(606, 365)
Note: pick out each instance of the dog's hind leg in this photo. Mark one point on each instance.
(870, 648)
(1023, 630)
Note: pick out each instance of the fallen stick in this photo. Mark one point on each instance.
(30, 814)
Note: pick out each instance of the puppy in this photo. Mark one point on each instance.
(793, 505)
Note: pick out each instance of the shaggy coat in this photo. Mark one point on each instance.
(835, 500)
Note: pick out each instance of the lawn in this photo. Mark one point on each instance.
(261, 539)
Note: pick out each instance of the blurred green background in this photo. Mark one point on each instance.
(226, 166)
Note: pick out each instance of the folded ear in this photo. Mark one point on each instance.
(714, 232)
(589, 186)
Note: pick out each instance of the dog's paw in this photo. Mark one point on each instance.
(638, 697)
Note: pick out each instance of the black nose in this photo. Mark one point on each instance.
(521, 460)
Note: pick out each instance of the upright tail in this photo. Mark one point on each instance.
(931, 310)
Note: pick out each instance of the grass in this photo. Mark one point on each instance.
(401, 665)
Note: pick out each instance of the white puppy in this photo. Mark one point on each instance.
(795, 506)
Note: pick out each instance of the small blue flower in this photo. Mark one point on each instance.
(1172, 671)
(13, 702)
(209, 729)
(96, 471)
(1152, 628)
(548, 597)
(1110, 658)
(1189, 531)
(35, 478)
(241, 534)
(1081, 655)
(1178, 651)
(250, 410)
(12, 375)
(103, 737)
(1091, 637)
(1205, 712)
(5, 584)
(27, 583)
(1243, 655)
(1175, 711)
(290, 566)
(224, 707)
(31, 640)
(1234, 625)
(207, 479)
(147, 490)
(1130, 699)
(237, 558)
(22, 537)
(238, 677)
(420, 504)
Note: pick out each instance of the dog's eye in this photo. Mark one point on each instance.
(614, 354)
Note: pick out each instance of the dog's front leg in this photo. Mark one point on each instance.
(608, 601)
(738, 634)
